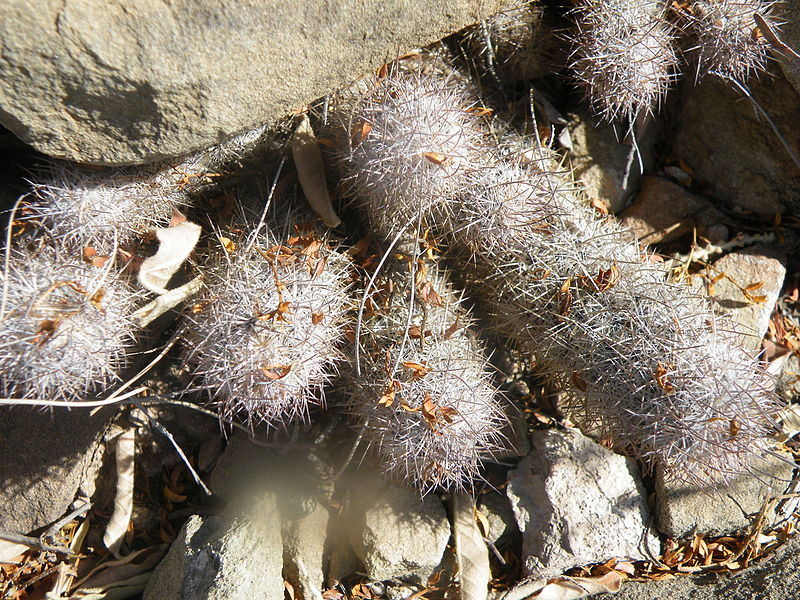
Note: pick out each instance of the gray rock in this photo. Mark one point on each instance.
(242, 468)
(683, 508)
(500, 518)
(745, 267)
(599, 160)
(790, 34)
(664, 211)
(119, 83)
(733, 151)
(223, 558)
(303, 552)
(577, 503)
(403, 536)
(49, 457)
(775, 578)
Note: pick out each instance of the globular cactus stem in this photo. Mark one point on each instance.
(265, 336)
(726, 37)
(423, 392)
(65, 326)
(623, 55)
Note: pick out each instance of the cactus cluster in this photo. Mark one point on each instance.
(644, 358)
(264, 336)
(627, 53)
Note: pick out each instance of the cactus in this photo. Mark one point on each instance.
(65, 326)
(725, 38)
(623, 55)
(423, 392)
(644, 357)
(264, 337)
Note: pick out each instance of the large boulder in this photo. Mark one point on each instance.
(117, 82)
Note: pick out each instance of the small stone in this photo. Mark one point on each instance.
(684, 508)
(664, 211)
(743, 268)
(303, 552)
(499, 516)
(403, 536)
(577, 503)
(599, 160)
(235, 557)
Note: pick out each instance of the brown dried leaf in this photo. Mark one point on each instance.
(578, 381)
(448, 333)
(438, 158)
(429, 295)
(599, 206)
(316, 318)
(419, 370)
(275, 372)
(754, 286)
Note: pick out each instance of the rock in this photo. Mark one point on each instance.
(403, 536)
(683, 508)
(49, 457)
(789, 13)
(223, 558)
(499, 518)
(599, 160)
(472, 555)
(748, 267)
(733, 151)
(119, 83)
(664, 211)
(303, 552)
(577, 503)
(242, 468)
(775, 578)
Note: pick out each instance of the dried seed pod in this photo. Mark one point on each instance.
(264, 337)
(423, 391)
(65, 326)
(623, 55)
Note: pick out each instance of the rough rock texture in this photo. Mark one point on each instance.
(303, 552)
(790, 34)
(775, 578)
(54, 454)
(499, 517)
(403, 537)
(683, 508)
(664, 211)
(242, 467)
(748, 267)
(115, 82)
(599, 160)
(222, 558)
(733, 151)
(577, 503)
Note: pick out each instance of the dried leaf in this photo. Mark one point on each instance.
(578, 381)
(275, 372)
(429, 295)
(438, 158)
(599, 206)
(419, 370)
(316, 318)
(175, 245)
(607, 278)
(123, 502)
(311, 172)
(754, 286)
(480, 111)
(660, 376)
(227, 244)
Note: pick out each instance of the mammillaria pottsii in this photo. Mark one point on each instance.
(645, 358)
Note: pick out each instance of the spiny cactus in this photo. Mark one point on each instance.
(725, 37)
(646, 358)
(65, 326)
(623, 55)
(410, 140)
(264, 337)
(424, 393)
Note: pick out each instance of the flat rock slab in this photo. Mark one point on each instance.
(48, 457)
(223, 558)
(683, 508)
(577, 503)
(775, 578)
(117, 82)
(749, 267)
(403, 536)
